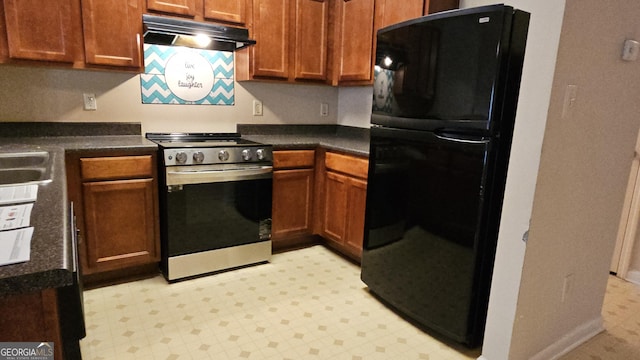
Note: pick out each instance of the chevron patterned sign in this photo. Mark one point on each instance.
(179, 75)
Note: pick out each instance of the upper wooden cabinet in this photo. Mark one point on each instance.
(43, 30)
(389, 12)
(310, 30)
(353, 42)
(233, 11)
(228, 11)
(434, 6)
(178, 7)
(112, 32)
(55, 31)
(270, 29)
(291, 38)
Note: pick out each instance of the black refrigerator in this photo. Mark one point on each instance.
(445, 95)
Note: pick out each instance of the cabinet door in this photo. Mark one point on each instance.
(271, 27)
(225, 10)
(310, 32)
(120, 224)
(356, 203)
(292, 202)
(391, 12)
(112, 32)
(41, 30)
(179, 7)
(4, 47)
(335, 207)
(433, 6)
(353, 41)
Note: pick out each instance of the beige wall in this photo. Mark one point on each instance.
(579, 186)
(354, 106)
(586, 157)
(42, 94)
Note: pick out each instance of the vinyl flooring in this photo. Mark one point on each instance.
(304, 304)
(621, 314)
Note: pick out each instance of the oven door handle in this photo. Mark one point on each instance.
(177, 177)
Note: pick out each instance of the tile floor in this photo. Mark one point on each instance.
(304, 304)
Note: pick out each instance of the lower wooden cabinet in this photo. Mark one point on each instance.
(32, 316)
(345, 194)
(119, 223)
(319, 193)
(292, 201)
(117, 213)
(345, 199)
(293, 187)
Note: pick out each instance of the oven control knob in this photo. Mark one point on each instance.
(246, 154)
(198, 157)
(260, 154)
(181, 157)
(223, 155)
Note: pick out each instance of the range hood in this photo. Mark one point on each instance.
(170, 31)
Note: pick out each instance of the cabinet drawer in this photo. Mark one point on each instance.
(351, 165)
(293, 159)
(116, 167)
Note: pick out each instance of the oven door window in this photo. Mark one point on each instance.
(213, 216)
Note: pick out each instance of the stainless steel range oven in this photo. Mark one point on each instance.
(215, 202)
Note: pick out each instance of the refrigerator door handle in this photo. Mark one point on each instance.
(462, 139)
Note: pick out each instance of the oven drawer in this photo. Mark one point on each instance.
(287, 159)
(116, 167)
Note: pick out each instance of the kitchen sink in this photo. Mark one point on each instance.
(26, 167)
(23, 159)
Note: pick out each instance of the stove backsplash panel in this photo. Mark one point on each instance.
(180, 75)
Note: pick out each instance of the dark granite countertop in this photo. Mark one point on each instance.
(341, 138)
(85, 143)
(50, 265)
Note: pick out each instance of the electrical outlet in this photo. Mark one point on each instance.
(324, 109)
(567, 286)
(90, 102)
(257, 108)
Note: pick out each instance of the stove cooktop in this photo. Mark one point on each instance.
(209, 148)
(187, 140)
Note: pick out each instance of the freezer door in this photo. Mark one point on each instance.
(424, 235)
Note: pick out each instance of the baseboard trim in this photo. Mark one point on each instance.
(633, 276)
(571, 340)
(568, 342)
